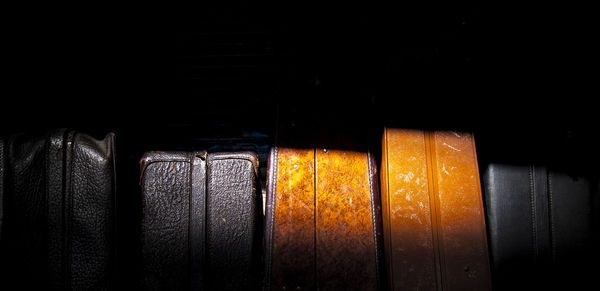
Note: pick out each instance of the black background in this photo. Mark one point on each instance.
(521, 76)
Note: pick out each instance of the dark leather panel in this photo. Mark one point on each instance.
(540, 223)
(59, 202)
(233, 222)
(165, 251)
(201, 221)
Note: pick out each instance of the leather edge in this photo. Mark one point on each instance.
(270, 215)
(246, 155)
(151, 157)
(483, 215)
(377, 222)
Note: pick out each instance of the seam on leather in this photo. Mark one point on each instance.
(273, 184)
(373, 221)
(68, 207)
(440, 267)
(533, 211)
(387, 181)
(550, 218)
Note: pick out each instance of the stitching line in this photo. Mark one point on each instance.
(373, 217)
(533, 211)
(550, 212)
(273, 198)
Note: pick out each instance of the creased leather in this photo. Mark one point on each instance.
(172, 187)
(540, 223)
(59, 220)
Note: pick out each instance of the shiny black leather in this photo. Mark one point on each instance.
(202, 223)
(541, 226)
(58, 225)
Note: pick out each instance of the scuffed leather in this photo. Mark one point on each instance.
(232, 221)
(323, 220)
(58, 231)
(540, 223)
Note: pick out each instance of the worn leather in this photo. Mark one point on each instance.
(541, 224)
(433, 216)
(201, 227)
(58, 226)
(323, 227)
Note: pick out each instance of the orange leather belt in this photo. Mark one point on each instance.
(322, 220)
(433, 217)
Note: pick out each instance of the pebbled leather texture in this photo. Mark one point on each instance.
(58, 231)
(322, 221)
(540, 222)
(435, 236)
(201, 227)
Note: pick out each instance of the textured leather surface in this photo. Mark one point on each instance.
(226, 235)
(323, 222)
(435, 236)
(540, 223)
(58, 231)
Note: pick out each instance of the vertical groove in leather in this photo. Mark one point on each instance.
(67, 209)
(386, 215)
(434, 206)
(437, 237)
(197, 220)
(551, 239)
(55, 165)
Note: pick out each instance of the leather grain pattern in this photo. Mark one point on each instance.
(434, 229)
(541, 223)
(322, 221)
(201, 227)
(59, 231)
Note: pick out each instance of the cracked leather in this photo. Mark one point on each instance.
(58, 219)
(202, 223)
